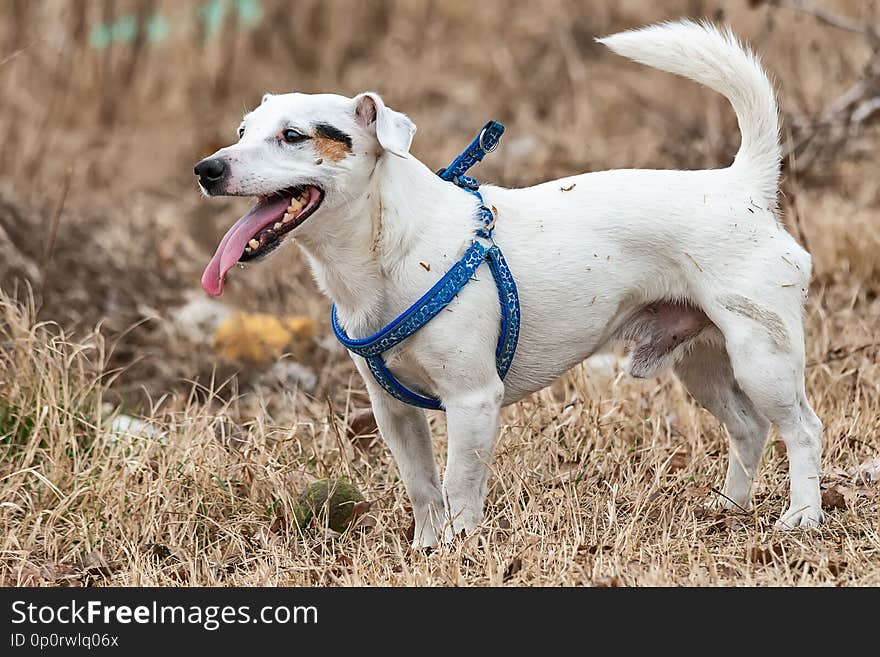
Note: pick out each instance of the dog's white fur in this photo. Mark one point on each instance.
(587, 261)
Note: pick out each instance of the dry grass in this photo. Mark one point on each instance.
(599, 479)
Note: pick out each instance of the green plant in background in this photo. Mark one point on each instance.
(15, 428)
(158, 27)
(249, 13)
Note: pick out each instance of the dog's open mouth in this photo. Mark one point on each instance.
(260, 231)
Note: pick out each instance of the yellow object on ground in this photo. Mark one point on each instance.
(260, 338)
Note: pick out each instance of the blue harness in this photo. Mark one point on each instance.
(444, 291)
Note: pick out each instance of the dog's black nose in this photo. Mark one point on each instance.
(210, 171)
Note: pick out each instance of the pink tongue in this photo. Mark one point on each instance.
(234, 242)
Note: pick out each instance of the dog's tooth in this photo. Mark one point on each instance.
(254, 244)
(295, 205)
(278, 224)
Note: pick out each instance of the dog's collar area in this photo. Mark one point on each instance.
(445, 290)
(483, 144)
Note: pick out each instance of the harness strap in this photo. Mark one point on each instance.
(445, 290)
(483, 144)
(510, 314)
(418, 314)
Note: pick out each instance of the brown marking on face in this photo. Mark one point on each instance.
(331, 143)
(330, 149)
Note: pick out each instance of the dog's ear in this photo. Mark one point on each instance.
(393, 130)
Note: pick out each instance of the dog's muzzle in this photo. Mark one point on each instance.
(211, 172)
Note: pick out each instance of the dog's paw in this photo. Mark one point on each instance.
(424, 542)
(426, 535)
(804, 517)
(462, 526)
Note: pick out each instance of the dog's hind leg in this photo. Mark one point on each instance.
(707, 374)
(764, 340)
(405, 429)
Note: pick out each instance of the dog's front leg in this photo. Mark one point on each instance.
(405, 430)
(472, 420)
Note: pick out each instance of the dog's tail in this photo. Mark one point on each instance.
(701, 52)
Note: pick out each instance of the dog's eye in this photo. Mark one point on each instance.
(292, 136)
(241, 132)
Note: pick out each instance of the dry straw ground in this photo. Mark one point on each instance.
(597, 480)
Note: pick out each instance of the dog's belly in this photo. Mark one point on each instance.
(562, 324)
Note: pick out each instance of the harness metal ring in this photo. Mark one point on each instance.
(482, 146)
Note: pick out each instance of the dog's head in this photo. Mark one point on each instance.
(299, 155)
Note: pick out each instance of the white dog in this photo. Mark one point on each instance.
(691, 268)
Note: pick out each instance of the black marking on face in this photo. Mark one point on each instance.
(328, 131)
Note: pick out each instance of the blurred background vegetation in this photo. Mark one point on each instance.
(149, 435)
(107, 104)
